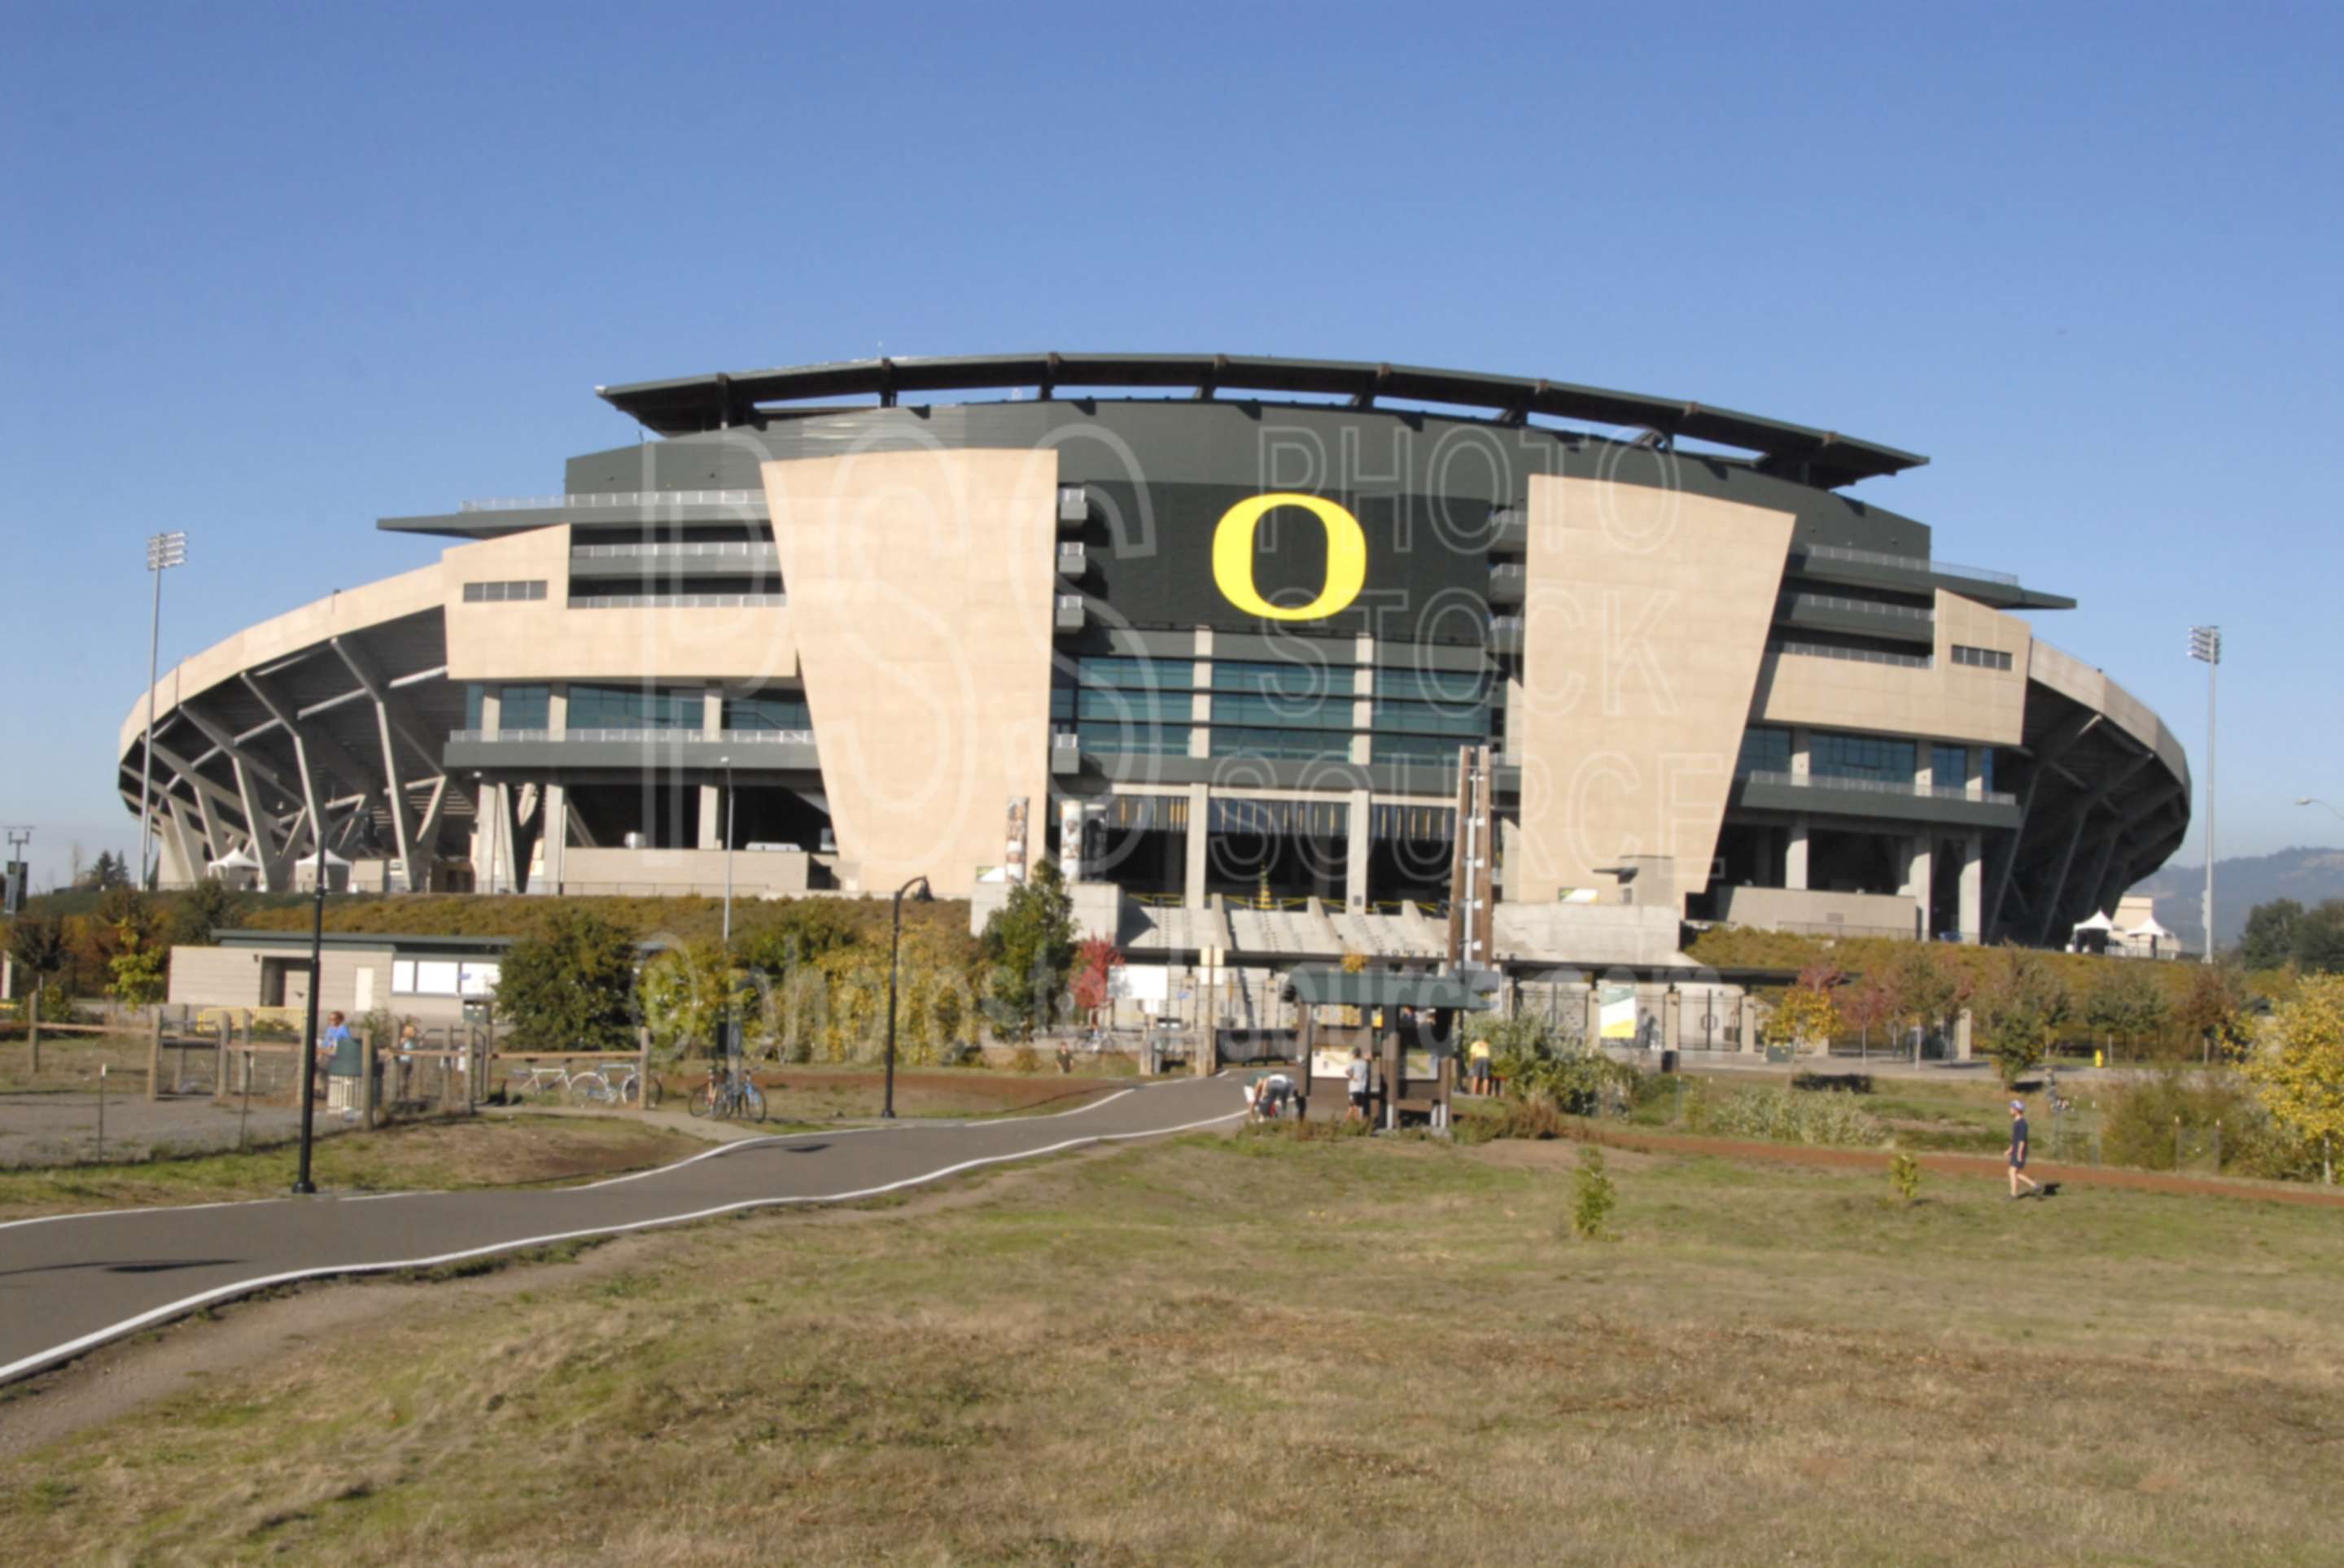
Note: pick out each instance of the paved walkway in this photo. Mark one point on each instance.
(71, 1283)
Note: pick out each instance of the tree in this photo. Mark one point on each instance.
(571, 985)
(1028, 945)
(1875, 1001)
(1807, 1013)
(2214, 1008)
(108, 872)
(2126, 1002)
(2020, 1009)
(2318, 945)
(2299, 1067)
(687, 993)
(2269, 940)
(37, 943)
(209, 908)
(1931, 992)
(1095, 960)
(139, 967)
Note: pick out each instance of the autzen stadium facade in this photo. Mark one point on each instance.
(1211, 629)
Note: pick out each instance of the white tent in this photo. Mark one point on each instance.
(2098, 922)
(240, 869)
(2149, 930)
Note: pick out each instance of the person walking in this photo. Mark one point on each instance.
(2018, 1140)
(1355, 1075)
(1476, 1056)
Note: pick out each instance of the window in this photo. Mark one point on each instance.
(1764, 750)
(1332, 712)
(1293, 746)
(634, 708)
(1110, 739)
(768, 711)
(504, 592)
(1949, 766)
(1387, 747)
(475, 697)
(1862, 757)
(1452, 687)
(1137, 674)
(1282, 679)
(525, 707)
(1981, 658)
(443, 977)
(1462, 721)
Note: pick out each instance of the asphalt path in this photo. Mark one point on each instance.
(71, 1283)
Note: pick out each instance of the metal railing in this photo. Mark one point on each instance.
(678, 601)
(1854, 655)
(1906, 563)
(1070, 601)
(749, 550)
(646, 737)
(1861, 606)
(628, 499)
(1915, 789)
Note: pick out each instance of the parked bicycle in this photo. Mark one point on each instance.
(615, 1086)
(729, 1095)
(529, 1078)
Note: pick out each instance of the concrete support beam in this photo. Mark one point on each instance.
(1794, 862)
(1193, 880)
(712, 796)
(1973, 897)
(1355, 862)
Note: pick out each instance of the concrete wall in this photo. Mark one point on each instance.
(1947, 701)
(921, 588)
(545, 639)
(1807, 910)
(1645, 617)
(231, 977)
(757, 873)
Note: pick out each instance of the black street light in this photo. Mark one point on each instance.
(895, 965)
(308, 1076)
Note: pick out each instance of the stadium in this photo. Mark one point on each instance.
(1279, 659)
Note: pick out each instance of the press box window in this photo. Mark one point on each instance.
(1981, 658)
(442, 976)
(503, 593)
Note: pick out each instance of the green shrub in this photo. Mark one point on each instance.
(1025, 1059)
(1592, 1197)
(1781, 1116)
(1905, 1175)
(2138, 1120)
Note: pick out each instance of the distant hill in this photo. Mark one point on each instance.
(2306, 875)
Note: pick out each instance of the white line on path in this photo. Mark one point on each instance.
(72, 1348)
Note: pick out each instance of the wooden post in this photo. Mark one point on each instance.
(367, 1059)
(220, 1065)
(33, 1025)
(643, 1069)
(154, 1055)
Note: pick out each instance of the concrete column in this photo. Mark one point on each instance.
(712, 796)
(1794, 862)
(1355, 860)
(1975, 782)
(556, 835)
(1193, 883)
(1801, 750)
(1591, 1004)
(1673, 1020)
(1920, 868)
(1973, 887)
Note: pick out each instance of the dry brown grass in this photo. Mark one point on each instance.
(498, 1151)
(1336, 1352)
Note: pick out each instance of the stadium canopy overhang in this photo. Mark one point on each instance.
(723, 400)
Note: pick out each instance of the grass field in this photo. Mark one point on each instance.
(1256, 1348)
(421, 1156)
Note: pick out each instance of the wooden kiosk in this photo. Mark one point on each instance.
(1408, 1027)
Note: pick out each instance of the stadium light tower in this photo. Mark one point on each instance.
(163, 551)
(2206, 646)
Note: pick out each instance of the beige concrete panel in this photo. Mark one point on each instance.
(1947, 701)
(1645, 614)
(757, 873)
(545, 639)
(921, 589)
(2081, 683)
(338, 614)
(1818, 910)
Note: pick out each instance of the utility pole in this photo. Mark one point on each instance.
(163, 551)
(2206, 646)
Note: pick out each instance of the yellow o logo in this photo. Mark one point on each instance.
(1346, 556)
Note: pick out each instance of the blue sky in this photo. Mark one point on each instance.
(271, 273)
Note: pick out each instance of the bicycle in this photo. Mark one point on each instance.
(529, 1078)
(734, 1095)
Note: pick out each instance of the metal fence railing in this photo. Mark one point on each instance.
(1857, 606)
(678, 601)
(1879, 787)
(616, 498)
(648, 738)
(1906, 563)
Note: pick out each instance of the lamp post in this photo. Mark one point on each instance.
(308, 1075)
(2315, 800)
(163, 551)
(726, 763)
(2206, 646)
(894, 952)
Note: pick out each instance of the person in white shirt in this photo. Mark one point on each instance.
(1356, 1075)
